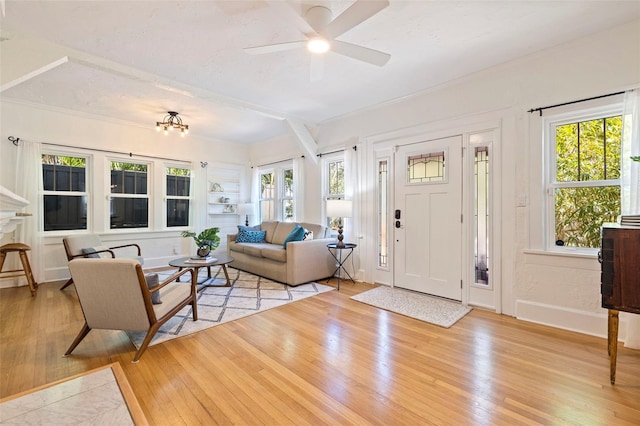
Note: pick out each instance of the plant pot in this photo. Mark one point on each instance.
(203, 251)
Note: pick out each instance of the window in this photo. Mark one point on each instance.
(65, 192)
(584, 177)
(178, 181)
(383, 219)
(277, 194)
(334, 181)
(425, 168)
(129, 195)
(287, 196)
(267, 196)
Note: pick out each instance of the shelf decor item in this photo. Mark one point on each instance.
(216, 187)
(206, 240)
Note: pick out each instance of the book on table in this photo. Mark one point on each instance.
(199, 260)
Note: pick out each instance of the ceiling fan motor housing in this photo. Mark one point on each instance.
(318, 17)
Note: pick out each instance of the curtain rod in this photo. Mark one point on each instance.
(355, 148)
(540, 109)
(16, 141)
(276, 162)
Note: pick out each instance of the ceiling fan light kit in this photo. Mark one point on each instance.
(318, 45)
(321, 33)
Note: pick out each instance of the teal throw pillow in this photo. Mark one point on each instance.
(246, 236)
(297, 234)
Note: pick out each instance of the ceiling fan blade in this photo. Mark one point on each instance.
(317, 68)
(277, 47)
(357, 13)
(361, 53)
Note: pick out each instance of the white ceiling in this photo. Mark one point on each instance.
(135, 60)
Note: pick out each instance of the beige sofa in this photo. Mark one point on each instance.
(301, 262)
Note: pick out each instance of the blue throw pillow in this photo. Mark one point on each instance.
(246, 236)
(249, 228)
(297, 234)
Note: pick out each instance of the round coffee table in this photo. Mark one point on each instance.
(219, 260)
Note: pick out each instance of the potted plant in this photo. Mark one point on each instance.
(206, 240)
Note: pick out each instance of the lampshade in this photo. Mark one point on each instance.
(246, 209)
(339, 208)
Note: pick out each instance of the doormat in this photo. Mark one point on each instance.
(416, 305)
(247, 295)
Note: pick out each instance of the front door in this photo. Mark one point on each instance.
(428, 217)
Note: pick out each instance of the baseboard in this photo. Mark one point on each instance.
(594, 324)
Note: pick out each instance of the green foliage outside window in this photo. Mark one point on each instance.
(588, 151)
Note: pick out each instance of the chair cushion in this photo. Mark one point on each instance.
(152, 282)
(297, 234)
(246, 236)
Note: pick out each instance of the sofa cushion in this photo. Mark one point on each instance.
(297, 234)
(282, 232)
(246, 236)
(270, 227)
(253, 249)
(275, 252)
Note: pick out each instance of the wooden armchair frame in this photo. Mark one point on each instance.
(97, 289)
(73, 252)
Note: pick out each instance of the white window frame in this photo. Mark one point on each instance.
(87, 192)
(327, 159)
(279, 197)
(168, 197)
(550, 122)
(148, 195)
(282, 194)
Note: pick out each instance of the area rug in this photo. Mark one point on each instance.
(427, 308)
(248, 294)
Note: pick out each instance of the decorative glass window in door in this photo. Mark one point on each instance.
(425, 168)
(481, 214)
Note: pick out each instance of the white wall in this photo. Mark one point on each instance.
(53, 126)
(557, 290)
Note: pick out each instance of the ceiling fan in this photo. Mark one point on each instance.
(321, 32)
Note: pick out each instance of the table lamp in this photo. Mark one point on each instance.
(246, 209)
(339, 209)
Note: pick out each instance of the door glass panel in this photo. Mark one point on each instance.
(383, 184)
(481, 215)
(425, 167)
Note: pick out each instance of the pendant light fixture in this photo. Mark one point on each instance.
(170, 122)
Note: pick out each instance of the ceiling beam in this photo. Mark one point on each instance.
(304, 138)
(31, 74)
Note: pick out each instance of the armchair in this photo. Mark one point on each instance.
(90, 245)
(114, 295)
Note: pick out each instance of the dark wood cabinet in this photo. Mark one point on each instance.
(620, 279)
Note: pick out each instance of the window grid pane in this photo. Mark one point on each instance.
(383, 247)
(481, 215)
(587, 158)
(65, 200)
(425, 168)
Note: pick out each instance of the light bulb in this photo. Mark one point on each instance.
(318, 45)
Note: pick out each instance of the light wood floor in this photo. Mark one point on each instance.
(331, 360)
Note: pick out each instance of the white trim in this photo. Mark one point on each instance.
(591, 323)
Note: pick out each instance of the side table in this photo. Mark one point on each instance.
(334, 249)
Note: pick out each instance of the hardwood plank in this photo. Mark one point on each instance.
(331, 360)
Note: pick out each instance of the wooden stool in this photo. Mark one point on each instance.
(26, 267)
